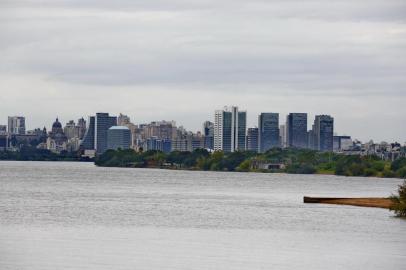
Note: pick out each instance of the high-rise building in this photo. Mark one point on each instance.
(296, 130)
(197, 141)
(252, 139)
(311, 138)
(282, 136)
(160, 129)
(323, 133)
(102, 123)
(82, 127)
(71, 130)
(208, 133)
(188, 141)
(222, 131)
(96, 133)
(268, 125)
(88, 138)
(181, 145)
(16, 125)
(118, 137)
(230, 127)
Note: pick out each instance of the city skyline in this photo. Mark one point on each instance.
(252, 121)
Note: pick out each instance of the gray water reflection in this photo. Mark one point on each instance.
(77, 216)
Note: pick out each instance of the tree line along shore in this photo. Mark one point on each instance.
(277, 160)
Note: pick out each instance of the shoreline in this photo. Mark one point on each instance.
(197, 170)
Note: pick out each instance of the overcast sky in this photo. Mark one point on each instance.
(182, 59)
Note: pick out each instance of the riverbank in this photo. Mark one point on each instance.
(291, 161)
(29, 153)
(385, 203)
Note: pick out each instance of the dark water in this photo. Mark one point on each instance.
(77, 216)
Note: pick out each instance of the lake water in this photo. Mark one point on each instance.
(77, 216)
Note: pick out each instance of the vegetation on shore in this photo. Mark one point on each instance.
(295, 161)
(31, 153)
(399, 201)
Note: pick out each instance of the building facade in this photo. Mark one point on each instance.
(16, 125)
(82, 128)
(230, 127)
(3, 129)
(57, 140)
(323, 132)
(71, 130)
(342, 143)
(160, 129)
(296, 130)
(102, 123)
(268, 125)
(88, 138)
(118, 137)
(95, 137)
(208, 133)
(252, 139)
(156, 144)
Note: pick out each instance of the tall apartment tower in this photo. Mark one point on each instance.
(71, 130)
(208, 133)
(96, 133)
(296, 130)
(102, 123)
(82, 127)
(268, 125)
(323, 133)
(252, 139)
(311, 138)
(88, 139)
(230, 127)
(16, 125)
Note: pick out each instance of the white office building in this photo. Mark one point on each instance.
(230, 130)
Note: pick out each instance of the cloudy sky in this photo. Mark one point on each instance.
(182, 59)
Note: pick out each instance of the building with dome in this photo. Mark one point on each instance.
(57, 140)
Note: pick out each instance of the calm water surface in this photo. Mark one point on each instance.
(78, 216)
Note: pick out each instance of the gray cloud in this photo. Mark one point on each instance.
(303, 54)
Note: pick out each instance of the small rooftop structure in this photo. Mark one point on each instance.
(119, 128)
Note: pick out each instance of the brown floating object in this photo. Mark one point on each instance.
(363, 202)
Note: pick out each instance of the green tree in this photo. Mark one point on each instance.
(401, 172)
(399, 201)
(399, 163)
(244, 166)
